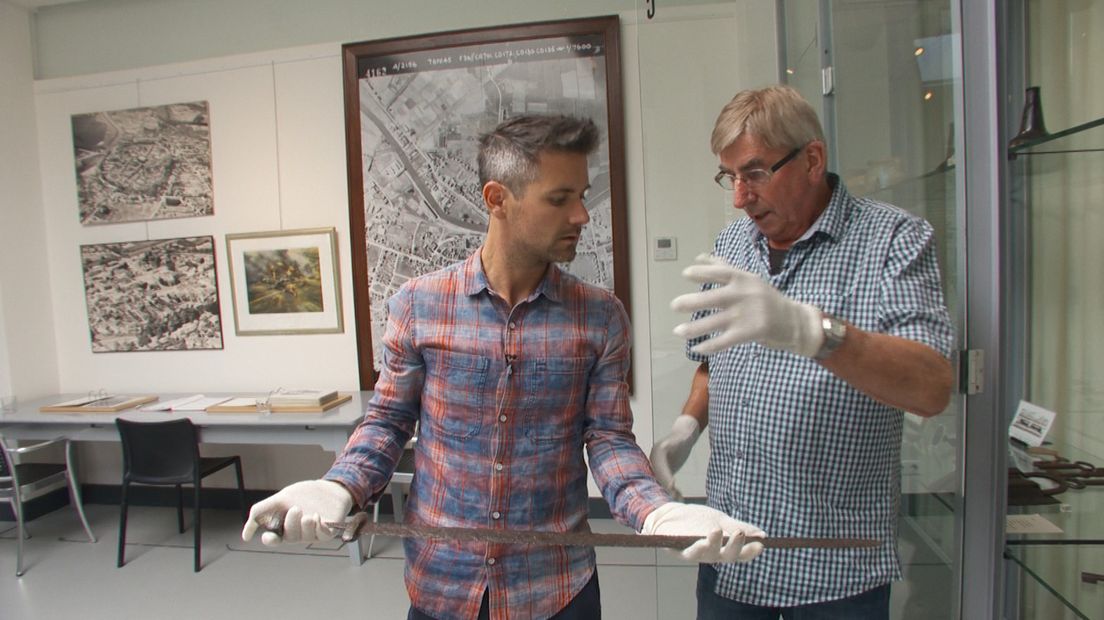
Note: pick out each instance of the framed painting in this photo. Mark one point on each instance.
(285, 282)
(415, 108)
(156, 295)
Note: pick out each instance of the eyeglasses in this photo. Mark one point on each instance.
(756, 177)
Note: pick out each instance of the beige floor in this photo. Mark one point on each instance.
(67, 577)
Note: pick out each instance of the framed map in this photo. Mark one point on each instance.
(143, 163)
(157, 295)
(414, 110)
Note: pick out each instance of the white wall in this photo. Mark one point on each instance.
(680, 96)
(277, 135)
(28, 360)
(107, 35)
(278, 162)
(278, 155)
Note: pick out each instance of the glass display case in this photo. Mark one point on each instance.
(1055, 198)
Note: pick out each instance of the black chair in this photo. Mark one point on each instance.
(22, 482)
(167, 454)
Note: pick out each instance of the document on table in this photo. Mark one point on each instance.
(240, 402)
(84, 401)
(1030, 524)
(196, 402)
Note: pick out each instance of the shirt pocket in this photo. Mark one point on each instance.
(557, 392)
(829, 299)
(454, 390)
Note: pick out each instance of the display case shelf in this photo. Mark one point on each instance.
(1027, 148)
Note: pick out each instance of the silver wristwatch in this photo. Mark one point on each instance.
(835, 331)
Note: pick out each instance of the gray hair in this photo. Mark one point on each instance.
(508, 154)
(777, 115)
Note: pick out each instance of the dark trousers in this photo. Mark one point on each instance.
(869, 605)
(587, 605)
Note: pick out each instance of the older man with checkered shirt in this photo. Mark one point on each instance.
(820, 320)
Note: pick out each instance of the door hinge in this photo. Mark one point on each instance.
(827, 81)
(971, 371)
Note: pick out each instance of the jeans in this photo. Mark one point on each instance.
(587, 605)
(870, 605)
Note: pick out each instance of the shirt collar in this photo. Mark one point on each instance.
(475, 279)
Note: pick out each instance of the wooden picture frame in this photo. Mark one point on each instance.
(414, 197)
(285, 282)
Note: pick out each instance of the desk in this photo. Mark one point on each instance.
(329, 429)
(1056, 561)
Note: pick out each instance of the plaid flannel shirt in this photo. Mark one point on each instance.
(505, 399)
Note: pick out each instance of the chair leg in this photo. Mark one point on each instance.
(20, 532)
(122, 525)
(241, 490)
(75, 491)
(375, 519)
(196, 525)
(180, 508)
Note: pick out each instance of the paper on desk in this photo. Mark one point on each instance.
(77, 402)
(1030, 524)
(171, 405)
(201, 404)
(196, 402)
(240, 402)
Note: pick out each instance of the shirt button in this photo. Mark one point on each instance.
(739, 454)
(513, 325)
(498, 466)
(501, 418)
(496, 515)
(490, 561)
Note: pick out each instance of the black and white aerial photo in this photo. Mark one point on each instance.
(158, 295)
(421, 116)
(141, 164)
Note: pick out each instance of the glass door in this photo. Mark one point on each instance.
(891, 92)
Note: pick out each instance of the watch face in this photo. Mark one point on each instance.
(834, 332)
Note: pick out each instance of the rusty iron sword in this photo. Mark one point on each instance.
(362, 525)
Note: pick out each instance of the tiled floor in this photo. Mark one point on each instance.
(68, 577)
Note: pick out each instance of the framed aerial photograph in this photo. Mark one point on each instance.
(414, 110)
(285, 282)
(142, 164)
(158, 295)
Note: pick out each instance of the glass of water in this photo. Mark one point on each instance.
(264, 404)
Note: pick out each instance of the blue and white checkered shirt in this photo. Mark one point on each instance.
(796, 450)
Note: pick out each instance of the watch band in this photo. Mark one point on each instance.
(835, 331)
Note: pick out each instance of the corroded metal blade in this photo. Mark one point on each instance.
(363, 526)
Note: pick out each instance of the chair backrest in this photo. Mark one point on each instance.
(159, 452)
(5, 467)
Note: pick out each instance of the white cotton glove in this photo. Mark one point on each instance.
(677, 519)
(748, 309)
(301, 509)
(669, 453)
